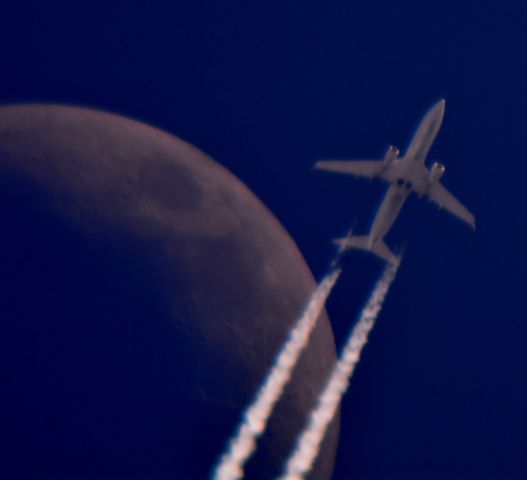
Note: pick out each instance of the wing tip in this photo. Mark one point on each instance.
(321, 165)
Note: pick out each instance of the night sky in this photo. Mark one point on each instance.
(267, 88)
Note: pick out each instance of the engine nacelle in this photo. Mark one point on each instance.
(436, 172)
(391, 154)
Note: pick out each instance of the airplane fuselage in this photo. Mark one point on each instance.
(388, 212)
(404, 175)
(401, 172)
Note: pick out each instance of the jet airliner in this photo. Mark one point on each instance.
(405, 175)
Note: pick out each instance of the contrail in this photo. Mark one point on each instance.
(301, 460)
(256, 416)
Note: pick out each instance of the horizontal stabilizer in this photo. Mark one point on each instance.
(381, 249)
(359, 241)
(362, 243)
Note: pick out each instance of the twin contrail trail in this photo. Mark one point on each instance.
(256, 416)
(308, 445)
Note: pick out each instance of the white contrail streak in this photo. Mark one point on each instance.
(256, 416)
(301, 460)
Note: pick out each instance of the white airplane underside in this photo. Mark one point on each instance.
(405, 175)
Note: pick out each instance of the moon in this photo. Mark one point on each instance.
(145, 292)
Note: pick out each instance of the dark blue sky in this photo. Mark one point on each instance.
(266, 88)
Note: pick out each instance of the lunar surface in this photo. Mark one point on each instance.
(145, 292)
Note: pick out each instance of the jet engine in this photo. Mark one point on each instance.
(436, 172)
(391, 154)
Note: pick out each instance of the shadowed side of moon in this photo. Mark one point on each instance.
(145, 292)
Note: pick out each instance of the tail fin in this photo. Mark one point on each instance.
(362, 243)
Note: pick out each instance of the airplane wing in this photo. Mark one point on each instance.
(440, 195)
(359, 168)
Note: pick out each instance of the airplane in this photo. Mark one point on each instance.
(405, 175)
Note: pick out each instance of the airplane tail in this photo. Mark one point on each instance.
(362, 242)
(352, 241)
